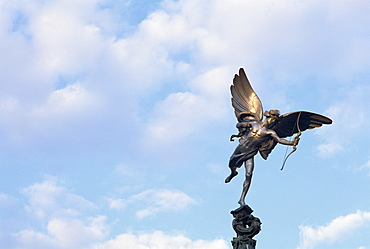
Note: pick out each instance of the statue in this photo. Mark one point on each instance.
(260, 136)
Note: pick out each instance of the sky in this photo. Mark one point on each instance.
(115, 119)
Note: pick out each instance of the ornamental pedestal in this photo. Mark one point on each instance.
(246, 227)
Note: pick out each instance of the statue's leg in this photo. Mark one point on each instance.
(249, 167)
(234, 162)
(232, 174)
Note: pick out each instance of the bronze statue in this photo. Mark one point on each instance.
(257, 136)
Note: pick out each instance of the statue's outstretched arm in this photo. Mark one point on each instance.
(282, 140)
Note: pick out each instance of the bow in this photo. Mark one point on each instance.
(295, 145)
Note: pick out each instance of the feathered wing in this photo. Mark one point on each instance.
(244, 99)
(287, 126)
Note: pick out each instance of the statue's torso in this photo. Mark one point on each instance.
(257, 134)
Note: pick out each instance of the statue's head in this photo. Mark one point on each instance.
(272, 116)
(272, 113)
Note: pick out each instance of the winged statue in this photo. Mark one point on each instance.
(258, 135)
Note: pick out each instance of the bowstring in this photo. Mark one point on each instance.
(286, 149)
(290, 139)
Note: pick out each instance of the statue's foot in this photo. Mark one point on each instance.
(241, 202)
(231, 176)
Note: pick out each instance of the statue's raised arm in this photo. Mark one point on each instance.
(262, 136)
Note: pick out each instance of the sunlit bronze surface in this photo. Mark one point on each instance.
(260, 136)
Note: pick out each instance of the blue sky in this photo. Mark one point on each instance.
(116, 118)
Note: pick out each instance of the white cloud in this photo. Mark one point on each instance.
(32, 239)
(73, 234)
(127, 171)
(119, 204)
(154, 201)
(188, 41)
(175, 118)
(47, 199)
(161, 201)
(329, 149)
(160, 240)
(106, 75)
(337, 230)
(183, 114)
(350, 118)
(64, 233)
(69, 100)
(7, 200)
(54, 218)
(231, 34)
(62, 227)
(366, 166)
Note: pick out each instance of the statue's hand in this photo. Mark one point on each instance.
(296, 140)
(232, 137)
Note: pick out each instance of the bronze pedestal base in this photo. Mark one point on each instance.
(246, 227)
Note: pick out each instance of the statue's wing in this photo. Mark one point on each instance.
(287, 124)
(244, 100)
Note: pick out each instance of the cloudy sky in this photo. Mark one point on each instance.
(115, 120)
